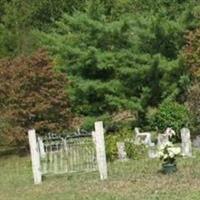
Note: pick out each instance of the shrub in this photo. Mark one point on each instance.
(111, 142)
(193, 101)
(32, 95)
(170, 114)
(111, 147)
(88, 122)
(133, 151)
(191, 55)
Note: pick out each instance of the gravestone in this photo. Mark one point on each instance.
(142, 137)
(186, 146)
(152, 151)
(163, 139)
(122, 155)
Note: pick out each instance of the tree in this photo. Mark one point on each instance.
(18, 18)
(119, 55)
(193, 101)
(114, 64)
(97, 55)
(191, 55)
(32, 95)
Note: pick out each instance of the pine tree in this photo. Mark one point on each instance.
(120, 62)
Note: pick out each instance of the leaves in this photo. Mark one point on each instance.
(32, 96)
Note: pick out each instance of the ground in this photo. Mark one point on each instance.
(131, 180)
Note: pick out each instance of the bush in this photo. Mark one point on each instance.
(193, 101)
(111, 142)
(88, 122)
(32, 95)
(134, 151)
(170, 114)
(111, 147)
(124, 135)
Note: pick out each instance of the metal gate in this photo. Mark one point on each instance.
(66, 154)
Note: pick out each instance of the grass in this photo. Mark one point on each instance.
(131, 180)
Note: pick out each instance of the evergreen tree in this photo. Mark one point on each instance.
(18, 18)
(119, 54)
(113, 65)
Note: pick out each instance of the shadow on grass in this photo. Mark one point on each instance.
(18, 151)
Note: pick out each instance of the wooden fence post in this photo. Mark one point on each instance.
(35, 156)
(100, 149)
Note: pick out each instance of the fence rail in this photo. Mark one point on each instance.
(71, 155)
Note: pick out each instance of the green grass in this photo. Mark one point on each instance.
(132, 180)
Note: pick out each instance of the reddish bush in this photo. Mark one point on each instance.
(32, 95)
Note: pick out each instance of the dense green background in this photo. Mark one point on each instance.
(122, 57)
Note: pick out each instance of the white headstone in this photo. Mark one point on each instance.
(122, 155)
(186, 142)
(152, 151)
(142, 137)
(162, 139)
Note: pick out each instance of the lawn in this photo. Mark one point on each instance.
(131, 180)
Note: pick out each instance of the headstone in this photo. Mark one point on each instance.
(186, 142)
(152, 151)
(121, 151)
(142, 137)
(163, 139)
(196, 142)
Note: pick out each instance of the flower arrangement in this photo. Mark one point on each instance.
(168, 153)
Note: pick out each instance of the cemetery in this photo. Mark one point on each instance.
(75, 167)
(99, 99)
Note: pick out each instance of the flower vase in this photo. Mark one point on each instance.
(169, 168)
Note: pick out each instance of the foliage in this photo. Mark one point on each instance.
(170, 114)
(111, 147)
(19, 18)
(32, 95)
(115, 64)
(193, 102)
(88, 122)
(124, 135)
(111, 142)
(93, 63)
(119, 55)
(134, 151)
(16, 22)
(191, 55)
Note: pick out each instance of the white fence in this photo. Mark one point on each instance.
(53, 154)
